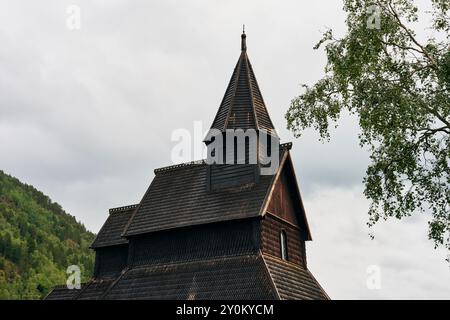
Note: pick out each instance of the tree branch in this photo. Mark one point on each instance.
(430, 110)
(411, 36)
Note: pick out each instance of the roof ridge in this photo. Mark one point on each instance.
(234, 88)
(64, 286)
(248, 255)
(123, 208)
(180, 165)
(258, 92)
(250, 89)
(287, 145)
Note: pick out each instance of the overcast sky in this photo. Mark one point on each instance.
(86, 115)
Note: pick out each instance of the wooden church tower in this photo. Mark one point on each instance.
(211, 230)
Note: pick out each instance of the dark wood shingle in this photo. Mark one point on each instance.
(112, 229)
(292, 281)
(61, 292)
(178, 197)
(241, 277)
(243, 106)
(210, 232)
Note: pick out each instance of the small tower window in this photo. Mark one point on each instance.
(283, 245)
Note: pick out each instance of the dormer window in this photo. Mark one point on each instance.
(283, 245)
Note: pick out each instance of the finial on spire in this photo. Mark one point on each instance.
(243, 41)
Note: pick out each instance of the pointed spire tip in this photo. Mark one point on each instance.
(243, 39)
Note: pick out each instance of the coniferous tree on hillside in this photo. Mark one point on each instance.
(38, 241)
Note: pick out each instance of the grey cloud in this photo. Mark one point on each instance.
(86, 115)
(341, 250)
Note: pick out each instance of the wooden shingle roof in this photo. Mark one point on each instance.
(95, 289)
(61, 292)
(196, 257)
(292, 281)
(243, 106)
(178, 197)
(240, 277)
(111, 231)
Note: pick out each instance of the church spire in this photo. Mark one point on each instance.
(243, 106)
(243, 39)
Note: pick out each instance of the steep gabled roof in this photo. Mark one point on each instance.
(178, 197)
(287, 165)
(111, 231)
(243, 106)
(254, 276)
(292, 281)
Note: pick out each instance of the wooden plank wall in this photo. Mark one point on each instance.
(196, 243)
(282, 214)
(282, 203)
(271, 228)
(110, 260)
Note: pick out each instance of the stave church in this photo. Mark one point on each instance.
(211, 231)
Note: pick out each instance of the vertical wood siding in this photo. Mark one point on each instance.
(110, 260)
(282, 202)
(194, 243)
(270, 239)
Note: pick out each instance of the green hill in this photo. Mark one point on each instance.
(38, 241)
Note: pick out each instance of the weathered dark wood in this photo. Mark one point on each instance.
(283, 202)
(210, 232)
(243, 106)
(243, 277)
(111, 231)
(110, 261)
(271, 228)
(294, 282)
(178, 197)
(61, 292)
(229, 176)
(208, 241)
(95, 289)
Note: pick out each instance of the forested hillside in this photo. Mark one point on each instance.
(38, 241)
